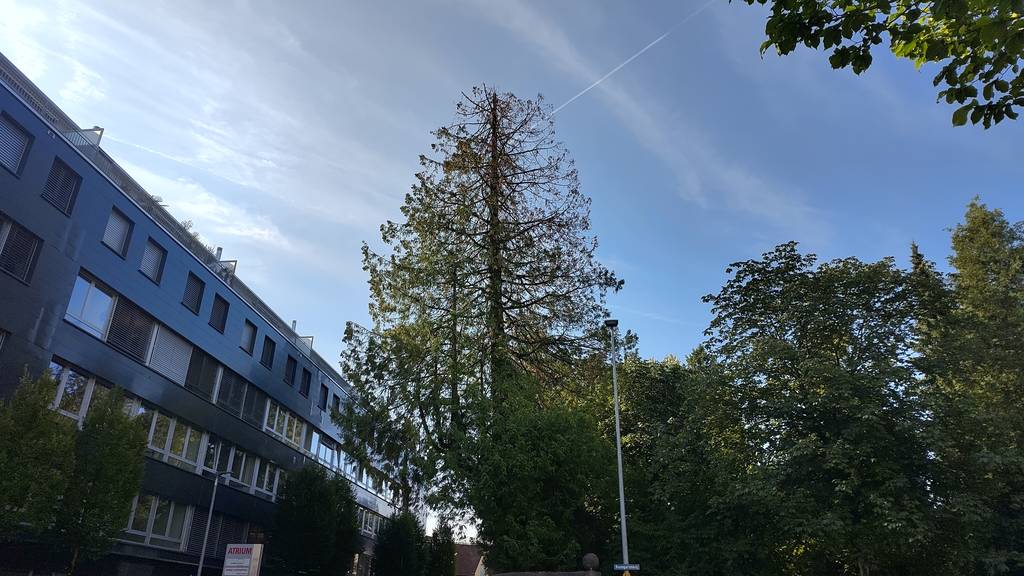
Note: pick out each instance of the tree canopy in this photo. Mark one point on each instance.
(977, 45)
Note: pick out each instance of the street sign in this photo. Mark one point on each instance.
(242, 560)
(627, 568)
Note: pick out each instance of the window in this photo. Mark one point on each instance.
(307, 377)
(62, 186)
(231, 392)
(335, 403)
(193, 297)
(255, 406)
(217, 456)
(118, 232)
(248, 337)
(91, 306)
(203, 374)
(289, 371)
(219, 313)
(131, 330)
(75, 391)
(323, 397)
(241, 468)
(18, 249)
(285, 424)
(266, 478)
(153, 257)
(267, 358)
(3, 338)
(171, 355)
(14, 144)
(157, 521)
(174, 442)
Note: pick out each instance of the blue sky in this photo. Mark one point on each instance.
(287, 132)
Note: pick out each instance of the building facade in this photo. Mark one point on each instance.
(101, 286)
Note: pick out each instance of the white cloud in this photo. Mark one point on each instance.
(705, 176)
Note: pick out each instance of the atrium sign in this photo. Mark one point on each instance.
(243, 560)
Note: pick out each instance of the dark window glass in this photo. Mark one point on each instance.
(307, 377)
(193, 297)
(131, 329)
(153, 257)
(62, 186)
(18, 250)
(232, 392)
(255, 405)
(289, 371)
(14, 143)
(269, 346)
(117, 232)
(248, 337)
(335, 402)
(219, 313)
(202, 374)
(323, 397)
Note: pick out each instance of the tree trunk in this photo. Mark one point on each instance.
(495, 281)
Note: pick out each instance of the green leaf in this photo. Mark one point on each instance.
(960, 116)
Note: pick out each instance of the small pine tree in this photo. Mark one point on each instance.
(401, 548)
(441, 558)
(109, 462)
(36, 458)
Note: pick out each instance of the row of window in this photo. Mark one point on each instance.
(116, 320)
(19, 248)
(62, 183)
(117, 237)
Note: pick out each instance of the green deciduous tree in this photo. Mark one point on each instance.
(37, 457)
(315, 527)
(109, 462)
(978, 44)
(401, 548)
(441, 554)
(820, 357)
(542, 488)
(698, 504)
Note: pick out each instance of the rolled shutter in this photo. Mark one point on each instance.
(19, 252)
(61, 186)
(116, 234)
(171, 355)
(131, 329)
(152, 261)
(13, 144)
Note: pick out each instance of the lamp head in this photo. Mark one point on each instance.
(611, 323)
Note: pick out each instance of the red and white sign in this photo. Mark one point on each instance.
(243, 560)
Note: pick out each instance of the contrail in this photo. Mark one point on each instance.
(635, 56)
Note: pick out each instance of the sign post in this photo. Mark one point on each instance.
(243, 560)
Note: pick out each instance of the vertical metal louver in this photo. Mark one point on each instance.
(171, 355)
(18, 252)
(131, 329)
(202, 374)
(193, 297)
(219, 313)
(153, 257)
(255, 406)
(62, 186)
(13, 144)
(116, 234)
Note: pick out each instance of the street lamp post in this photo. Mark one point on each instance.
(209, 520)
(612, 326)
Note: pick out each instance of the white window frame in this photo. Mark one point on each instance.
(90, 386)
(148, 536)
(94, 285)
(164, 453)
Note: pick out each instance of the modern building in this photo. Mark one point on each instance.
(104, 287)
